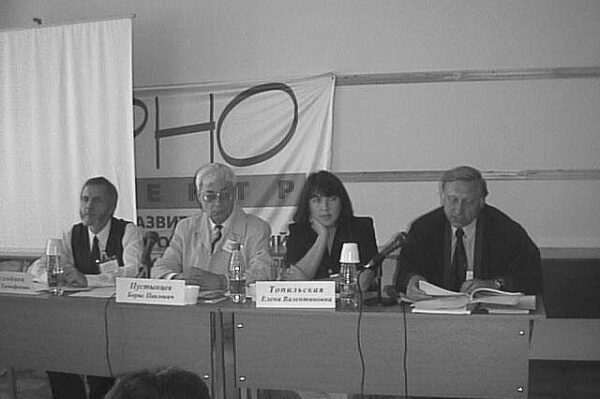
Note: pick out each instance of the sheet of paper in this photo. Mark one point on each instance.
(434, 290)
(441, 311)
(98, 292)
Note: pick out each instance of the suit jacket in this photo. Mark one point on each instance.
(502, 250)
(190, 246)
(80, 245)
(359, 230)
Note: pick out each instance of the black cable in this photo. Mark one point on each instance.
(107, 347)
(358, 339)
(405, 357)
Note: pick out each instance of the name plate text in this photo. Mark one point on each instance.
(150, 291)
(16, 283)
(295, 294)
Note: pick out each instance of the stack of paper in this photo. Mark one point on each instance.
(450, 302)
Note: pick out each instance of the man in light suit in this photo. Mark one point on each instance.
(201, 244)
(466, 244)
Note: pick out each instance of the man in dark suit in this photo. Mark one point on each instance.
(466, 244)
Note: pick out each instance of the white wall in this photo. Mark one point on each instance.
(511, 125)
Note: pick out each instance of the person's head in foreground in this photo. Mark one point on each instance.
(162, 383)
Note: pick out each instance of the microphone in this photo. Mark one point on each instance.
(398, 240)
(150, 238)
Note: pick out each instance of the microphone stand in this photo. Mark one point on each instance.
(378, 300)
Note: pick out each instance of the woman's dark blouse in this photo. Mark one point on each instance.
(358, 229)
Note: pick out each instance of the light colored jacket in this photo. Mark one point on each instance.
(190, 246)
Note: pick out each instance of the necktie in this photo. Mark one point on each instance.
(459, 260)
(215, 237)
(95, 254)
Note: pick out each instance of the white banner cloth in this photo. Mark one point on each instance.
(65, 116)
(271, 133)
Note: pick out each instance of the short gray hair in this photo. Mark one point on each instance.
(467, 174)
(212, 170)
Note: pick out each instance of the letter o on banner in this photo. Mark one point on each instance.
(271, 152)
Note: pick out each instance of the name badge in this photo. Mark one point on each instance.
(295, 294)
(16, 283)
(151, 291)
(469, 275)
(106, 278)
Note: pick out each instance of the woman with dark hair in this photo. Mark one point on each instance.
(323, 222)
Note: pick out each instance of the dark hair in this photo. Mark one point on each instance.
(465, 173)
(327, 184)
(103, 181)
(162, 383)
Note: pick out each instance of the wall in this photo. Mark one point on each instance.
(496, 126)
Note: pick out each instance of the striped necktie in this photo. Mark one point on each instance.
(459, 260)
(215, 237)
(95, 255)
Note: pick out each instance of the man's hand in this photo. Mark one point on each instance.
(413, 291)
(74, 277)
(206, 280)
(471, 285)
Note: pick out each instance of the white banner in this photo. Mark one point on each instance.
(271, 134)
(65, 116)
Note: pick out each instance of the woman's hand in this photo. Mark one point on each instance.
(319, 228)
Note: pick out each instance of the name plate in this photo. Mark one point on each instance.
(150, 291)
(295, 294)
(16, 283)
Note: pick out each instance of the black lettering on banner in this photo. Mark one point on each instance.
(285, 187)
(153, 192)
(139, 103)
(163, 241)
(240, 187)
(279, 146)
(209, 126)
(172, 221)
(192, 191)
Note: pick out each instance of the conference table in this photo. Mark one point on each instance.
(97, 336)
(239, 348)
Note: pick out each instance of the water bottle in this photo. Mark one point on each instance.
(54, 269)
(237, 275)
(348, 286)
(348, 280)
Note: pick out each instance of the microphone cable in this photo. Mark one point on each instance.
(358, 336)
(106, 335)
(359, 343)
(405, 354)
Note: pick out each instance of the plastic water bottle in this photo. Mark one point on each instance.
(237, 275)
(348, 286)
(53, 267)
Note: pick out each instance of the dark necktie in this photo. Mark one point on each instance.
(95, 254)
(215, 237)
(459, 261)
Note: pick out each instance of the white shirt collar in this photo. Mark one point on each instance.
(102, 235)
(469, 230)
(224, 224)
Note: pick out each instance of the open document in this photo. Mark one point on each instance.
(491, 300)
